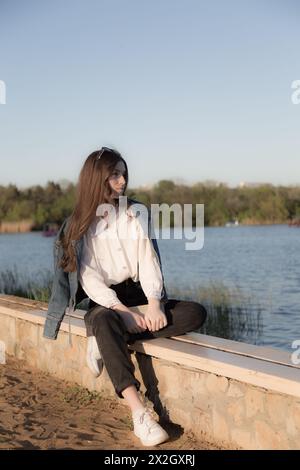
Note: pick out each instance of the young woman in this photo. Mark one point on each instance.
(106, 254)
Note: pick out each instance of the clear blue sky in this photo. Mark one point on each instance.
(184, 89)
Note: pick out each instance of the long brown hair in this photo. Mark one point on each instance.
(92, 189)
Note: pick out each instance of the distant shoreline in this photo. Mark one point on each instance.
(24, 229)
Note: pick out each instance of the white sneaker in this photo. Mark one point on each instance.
(93, 356)
(147, 429)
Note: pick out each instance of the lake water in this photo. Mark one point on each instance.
(262, 261)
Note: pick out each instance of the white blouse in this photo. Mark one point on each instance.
(115, 250)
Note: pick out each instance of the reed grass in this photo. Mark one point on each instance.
(14, 283)
(232, 314)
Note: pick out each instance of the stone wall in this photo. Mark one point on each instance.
(225, 411)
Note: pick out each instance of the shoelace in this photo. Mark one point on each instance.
(148, 418)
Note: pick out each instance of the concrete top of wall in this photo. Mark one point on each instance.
(267, 368)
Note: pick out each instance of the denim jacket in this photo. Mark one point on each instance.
(66, 290)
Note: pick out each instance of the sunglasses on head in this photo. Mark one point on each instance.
(104, 149)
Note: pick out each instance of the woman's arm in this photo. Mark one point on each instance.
(92, 279)
(93, 283)
(151, 279)
(60, 292)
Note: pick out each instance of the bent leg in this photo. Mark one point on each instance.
(182, 316)
(113, 339)
(111, 336)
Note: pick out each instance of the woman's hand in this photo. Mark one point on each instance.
(134, 321)
(155, 317)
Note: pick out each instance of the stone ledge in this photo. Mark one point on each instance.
(263, 367)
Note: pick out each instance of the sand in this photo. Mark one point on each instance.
(38, 411)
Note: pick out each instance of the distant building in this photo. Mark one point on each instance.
(214, 183)
(145, 187)
(64, 183)
(245, 184)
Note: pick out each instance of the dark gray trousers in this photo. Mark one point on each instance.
(113, 339)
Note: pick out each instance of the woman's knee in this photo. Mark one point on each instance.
(99, 319)
(197, 315)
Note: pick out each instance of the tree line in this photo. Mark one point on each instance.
(262, 204)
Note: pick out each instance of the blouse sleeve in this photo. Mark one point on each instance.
(91, 277)
(149, 270)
